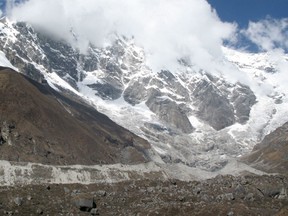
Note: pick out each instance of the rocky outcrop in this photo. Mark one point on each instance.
(8, 134)
(242, 99)
(169, 112)
(110, 90)
(136, 92)
(213, 106)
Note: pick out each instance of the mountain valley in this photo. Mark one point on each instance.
(102, 133)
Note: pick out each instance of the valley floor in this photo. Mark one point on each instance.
(222, 195)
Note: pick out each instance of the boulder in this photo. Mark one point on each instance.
(85, 204)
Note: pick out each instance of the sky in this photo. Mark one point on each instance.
(240, 11)
(243, 11)
(194, 30)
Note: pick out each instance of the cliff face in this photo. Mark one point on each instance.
(38, 124)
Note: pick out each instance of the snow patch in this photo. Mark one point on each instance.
(4, 62)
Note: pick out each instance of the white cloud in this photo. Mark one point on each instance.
(9, 6)
(268, 34)
(167, 29)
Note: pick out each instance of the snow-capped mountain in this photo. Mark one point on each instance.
(191, 116)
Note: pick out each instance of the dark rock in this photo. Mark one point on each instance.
(101, 193)
(84, 203)
(2, 141)
(90, 62)
(213, 106)
(4, 133)
(150, 189)
(243, 99)
(182, 199)
(240, 191)
(39, 211)
(250, 197)
(169, 112)
(18, 201)
(172, 83)
(136, 92)
(274, 192)
(33, 72)
(57, 53)
(173, 181)
(243, 180)
(9, 213)
(108, 90)
(227, 196)
(94, 211)
(197, 191)
(278, 100)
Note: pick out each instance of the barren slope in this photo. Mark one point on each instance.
(271, 155)
(37, 124)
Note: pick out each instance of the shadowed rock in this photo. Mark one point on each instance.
(213, 107)
(169, 112)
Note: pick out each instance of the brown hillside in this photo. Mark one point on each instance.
(38, 124)
(271, 155)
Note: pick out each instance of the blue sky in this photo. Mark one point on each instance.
(241, 11)
(262, 20)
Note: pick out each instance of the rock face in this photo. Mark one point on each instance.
(170, 112)
(271, 155)
(38, 124)
(243, 99)
(214, 107)
(7, 135)
(193, 107)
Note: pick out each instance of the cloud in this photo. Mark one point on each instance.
(268, 34)
(9, 6)
(167, 29)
